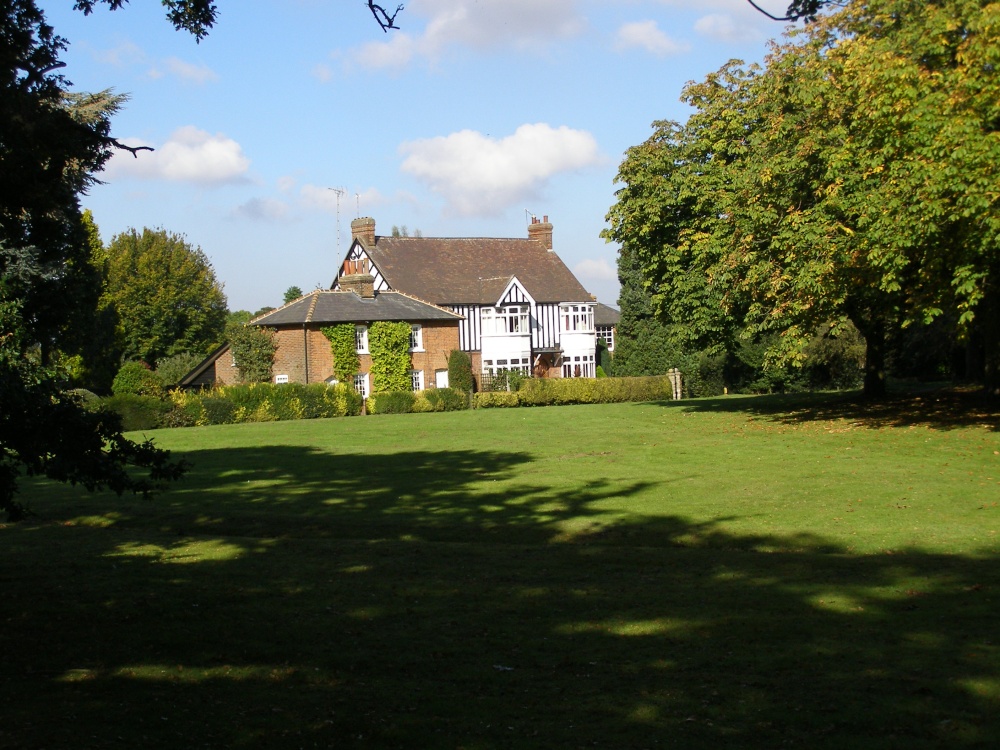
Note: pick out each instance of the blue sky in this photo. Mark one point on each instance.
(472, 115)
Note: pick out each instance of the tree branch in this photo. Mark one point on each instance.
(773, 18)
(384, 19)
(134, 150)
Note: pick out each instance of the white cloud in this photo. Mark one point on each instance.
(724, 28)
(322, 73)
(481, 176)
(190, 72)
(126, 53)
(130, 54)
(595, 270)
(648, 36)
(190, 155)
(262, 209)
(477, 25)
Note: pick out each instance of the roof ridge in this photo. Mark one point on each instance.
(271, 312)
(422, 301)
(312, 304)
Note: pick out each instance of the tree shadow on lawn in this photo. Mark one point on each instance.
(938, 409)
(410, 605)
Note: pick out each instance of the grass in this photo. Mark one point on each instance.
(740, 572)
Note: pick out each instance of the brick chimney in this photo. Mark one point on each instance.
(363, 229)
(356, 278)
(541, 231)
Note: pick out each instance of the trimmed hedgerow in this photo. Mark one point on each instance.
(262, 402)
(495, 399)
(137, 412)
(447, 399)
(391, 402)
(551, 391)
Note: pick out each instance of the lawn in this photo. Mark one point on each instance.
(743, 572)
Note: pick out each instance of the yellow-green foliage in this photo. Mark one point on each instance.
(263, 402)
(495, 399)
(389, 344)
(391, 402)
(440, 399)
(345, 355)
(548, 391)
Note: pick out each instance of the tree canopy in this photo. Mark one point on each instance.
(165, 293)
(849, 178)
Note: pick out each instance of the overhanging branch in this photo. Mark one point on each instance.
(384, 19)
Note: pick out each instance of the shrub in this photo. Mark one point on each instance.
(550, 391)
(342, 401)
(262, 402)
(702, 374)
(253, 351)
(448, 399)
(495, 399)
(460, 371)
(136, 379)
(170, 370)
(391, 402)
(137, 412)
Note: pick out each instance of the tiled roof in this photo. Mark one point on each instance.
(326, 306)
(473, 270)
(605, 315)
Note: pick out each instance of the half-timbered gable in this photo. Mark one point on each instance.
(520, 306)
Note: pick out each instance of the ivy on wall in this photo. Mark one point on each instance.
(253, 351)
(389, 344)
(345, 355)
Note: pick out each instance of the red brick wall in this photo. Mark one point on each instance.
(439, 338)
(225, 371)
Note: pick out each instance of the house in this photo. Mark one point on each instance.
(520, 307)
(606, 321)
(304, 355)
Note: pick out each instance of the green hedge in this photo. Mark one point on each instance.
(262, 402)
(495, 400)
(137, 412)
(551, 391)
(445, 399)
(391, 402)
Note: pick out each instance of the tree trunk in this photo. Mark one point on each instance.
(988, 317)
(875, 349)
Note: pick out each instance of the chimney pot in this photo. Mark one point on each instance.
(364, 229)
(541, 231)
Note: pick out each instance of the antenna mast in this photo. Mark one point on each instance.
(339, 192)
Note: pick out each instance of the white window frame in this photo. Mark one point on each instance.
(361, 339)
(416, 380)
(506, 320)
(608, 334)
(576, 318)
(361, 384)
(508, 364)
(585, 363)
(416, 338)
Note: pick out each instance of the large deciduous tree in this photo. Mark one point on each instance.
(165, 293)
(852, 178)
